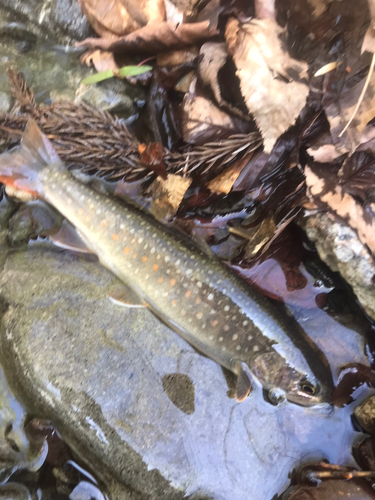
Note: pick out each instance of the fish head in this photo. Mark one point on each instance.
(284, 382)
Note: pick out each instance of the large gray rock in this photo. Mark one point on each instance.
(339, 247)
(62, 20)
(137, 404)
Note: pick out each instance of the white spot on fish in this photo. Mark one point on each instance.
(152, 250)
(113, 208)
(235, 336)
(140, 240)
(122, 226)
(98, 211)
(226, 308)
(255, 348)
(250, 337)
(246, 349)
(234, 318)
(221, 339)
(166, 258)
(188, 271)
(199, 284)
(238, 348)
(178, 262)
(245, 322)
(211, 337)
(226, 328)
(132, 230)
(210, 296)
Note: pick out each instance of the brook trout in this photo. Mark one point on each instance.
(193, 293)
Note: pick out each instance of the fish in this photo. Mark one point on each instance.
(191, 291)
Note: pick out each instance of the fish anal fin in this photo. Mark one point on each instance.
(69, 238)
(122, 295)
(243, 385)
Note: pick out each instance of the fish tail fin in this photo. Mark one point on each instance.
(21, 168)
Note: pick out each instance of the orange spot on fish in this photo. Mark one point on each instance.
(115, 236)
(135, 256)
(160, 280)
(174, 302)
(126, 250)
(198, 301)
(199, 315)
(173, 282)
(155, 267)
(103, 222)
(88, 217)
(215, 322)
(187, 294)
(144, 258)
(80, 211)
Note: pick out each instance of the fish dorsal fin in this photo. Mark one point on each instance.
(122, 295)
(69, 238)
(243, 385)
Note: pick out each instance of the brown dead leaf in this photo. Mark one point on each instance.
(167, 195)
(257, 236)
(113, 18)
(177, 57)
(213, 56)
(369, 40)
(223, 183)
(203, 122)
(152, 156)
(325, 193)
(341, 110)
(155, 38)
(266, 74)
(102, 60)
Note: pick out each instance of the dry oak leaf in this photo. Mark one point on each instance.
(113, 18)
(167, 195)
(265, 71)
(102, 60)
(203, 122)
(329, 195)
(155, 38)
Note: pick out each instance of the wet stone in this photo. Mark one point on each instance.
(339, 247)
(365, 415)
(62, 19)
(106, 376)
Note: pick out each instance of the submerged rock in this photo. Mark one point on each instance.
(339, 247)
(139, 406)
(365, 415)
(63, 20)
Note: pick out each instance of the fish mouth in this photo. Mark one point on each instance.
(303, 398)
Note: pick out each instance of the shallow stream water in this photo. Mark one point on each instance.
(134, 402)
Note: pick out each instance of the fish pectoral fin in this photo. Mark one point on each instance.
(124, 296)
(243, 385)
(69, 238)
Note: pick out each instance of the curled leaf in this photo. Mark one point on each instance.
(152, 156)
(266, 74)
(155, 38)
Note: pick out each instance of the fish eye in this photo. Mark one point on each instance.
(308, 387)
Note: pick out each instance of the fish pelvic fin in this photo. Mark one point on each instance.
(21, 168)
(243, 386)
